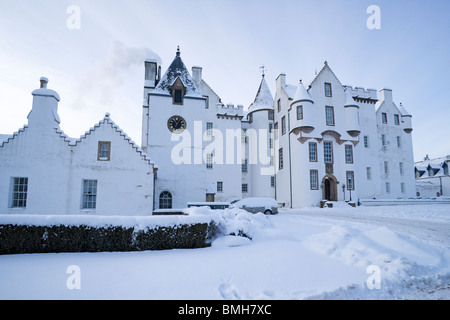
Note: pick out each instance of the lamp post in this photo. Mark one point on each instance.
(343, 190)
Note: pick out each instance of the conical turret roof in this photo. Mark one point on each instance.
(263, 99)
(302, 94)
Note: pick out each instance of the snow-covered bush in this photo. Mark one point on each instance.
(93, 234)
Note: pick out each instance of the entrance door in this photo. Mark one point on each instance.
(327, 190)
(330, 188)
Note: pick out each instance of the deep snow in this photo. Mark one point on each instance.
(298, 254)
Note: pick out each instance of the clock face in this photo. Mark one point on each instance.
(176, 124)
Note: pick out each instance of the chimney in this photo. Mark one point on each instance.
(150, 73)
(386, 95)
(197, 76)
(44, 112)
(281, 80)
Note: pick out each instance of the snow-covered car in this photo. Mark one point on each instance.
(255, 205)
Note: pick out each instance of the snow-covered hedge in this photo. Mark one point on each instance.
(45, 234)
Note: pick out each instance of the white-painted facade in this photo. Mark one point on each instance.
(42, 171)
(300, 146)
(344, 128)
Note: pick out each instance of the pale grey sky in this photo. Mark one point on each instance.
(99, 67)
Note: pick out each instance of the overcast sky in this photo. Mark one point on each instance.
(99, 68)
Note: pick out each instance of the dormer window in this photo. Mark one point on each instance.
(178, 91)
(178, 96)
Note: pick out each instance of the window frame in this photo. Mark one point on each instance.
(100, 151)
(327, 122)
(314, 179)
(396, 119)
(300, 114)
(90, 194)
(325, 158)
(312, 155)
(348, 155)
(244, 188)
(283, 125)
(219, 186)
(19, 202)
(280, 159)
(384, 118)
(328, 85)
(167, 201)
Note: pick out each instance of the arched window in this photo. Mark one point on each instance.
(165, 200)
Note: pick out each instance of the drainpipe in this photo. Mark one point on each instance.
(290, 162)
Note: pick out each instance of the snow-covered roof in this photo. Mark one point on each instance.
(176, 70)
(301, 94)
(263, 99)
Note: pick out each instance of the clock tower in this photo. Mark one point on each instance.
(172, 130)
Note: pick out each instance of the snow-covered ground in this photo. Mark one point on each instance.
(332, 253)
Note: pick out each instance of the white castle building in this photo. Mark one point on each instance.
(325, 141)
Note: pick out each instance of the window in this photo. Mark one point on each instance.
(299, 112)
(350, 180)
(219, 186)
(270, 115)
(328, 92)
(388, 187)
(89, 194)
(206, 102)
(312, 152)
(280, 158)
(396, 119)
(178, 96)
(366, 141)
(369, 173)
(19, 193)
(209, 128)
(209, 161)
(250, 118)
(283, 125)
(328, 151)
(104, 151)
(401, 168)
(272, 181)
(329, 114)
(399, 142)
(348, 154)
(270, 127)
(383, 140)
(275, 127)
(386, 167)
(244, 188)
(245, 166)
(279, 105)
(165, 200)
(314, 179)
(384, 118)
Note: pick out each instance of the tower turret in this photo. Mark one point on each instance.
(351, 115)
(303, 109)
